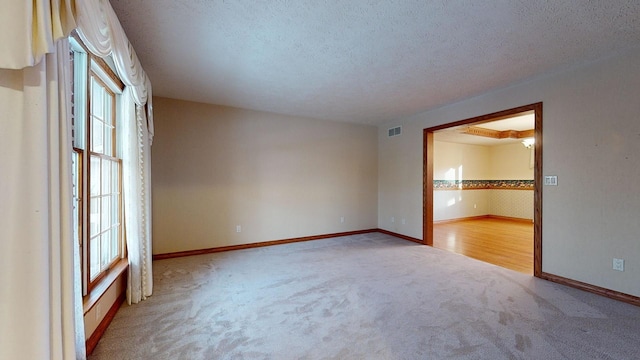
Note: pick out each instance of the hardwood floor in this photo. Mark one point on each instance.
(501, 242)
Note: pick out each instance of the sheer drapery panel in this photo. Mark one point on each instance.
(40, 296)
(137, 210)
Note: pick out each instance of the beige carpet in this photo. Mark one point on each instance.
(369, 296)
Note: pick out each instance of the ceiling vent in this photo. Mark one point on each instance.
(395, 131)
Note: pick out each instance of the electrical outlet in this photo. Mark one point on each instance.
(393, 219)
(404, 221)
(341, 219)
(238, 228)
(618, 264)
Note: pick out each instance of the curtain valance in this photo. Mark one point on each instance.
(29, 30)
(100, 30)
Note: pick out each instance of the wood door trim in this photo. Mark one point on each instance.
(537, 192)
(427, 202)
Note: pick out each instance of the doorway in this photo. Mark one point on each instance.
(428, 173)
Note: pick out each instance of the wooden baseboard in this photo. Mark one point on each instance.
(508, 218)
(467, 218)
(405, 237)
(612, 294)
(480, 217)
(258, 244)
(92, 341)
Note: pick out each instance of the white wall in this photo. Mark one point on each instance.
(277, 176)
(591, 142)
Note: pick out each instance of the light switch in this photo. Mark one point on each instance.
(551, 180)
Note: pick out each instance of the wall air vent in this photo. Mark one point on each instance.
(395, 131)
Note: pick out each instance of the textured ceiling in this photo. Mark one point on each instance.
(363, 61)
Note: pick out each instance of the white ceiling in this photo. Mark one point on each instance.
(364, 61)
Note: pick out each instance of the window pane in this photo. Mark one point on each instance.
(94, 263)
(94, 217)
(104, 250)
(115, 251)
(106, 213)
(108, 140)
(97, 96)
(115, 171)
(108, 126)
(115, 206)
(108, 119)
(106, 177)
(97, 134)
(95, 176)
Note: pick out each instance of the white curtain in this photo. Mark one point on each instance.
(29, 30)
(41, 314)
(100, 30)
(137, 202)
(102, 34)
(40, 295)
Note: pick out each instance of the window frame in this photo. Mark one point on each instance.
(87, 67)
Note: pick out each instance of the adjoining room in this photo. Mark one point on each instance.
(483, 191)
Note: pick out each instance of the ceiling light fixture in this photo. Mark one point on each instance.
(528, 142)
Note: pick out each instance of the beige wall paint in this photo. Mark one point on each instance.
(591, 142)
(276, 176)
(510, 162)
(457, 204)
(97, 313)
(454, 161)
(480, 162)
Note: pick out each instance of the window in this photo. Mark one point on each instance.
(97, 165)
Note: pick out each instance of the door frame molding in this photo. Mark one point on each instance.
(427, 201)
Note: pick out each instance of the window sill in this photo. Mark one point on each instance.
(103, 285)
